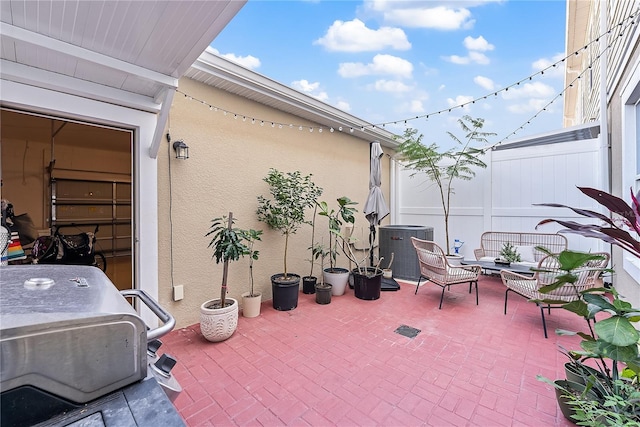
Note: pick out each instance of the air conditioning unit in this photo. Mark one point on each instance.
(396, 239)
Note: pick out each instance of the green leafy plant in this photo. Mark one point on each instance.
(345, 213)
(291, 195)
(252, 236)
(509, 253)
(611, 342)
(443, 167)
(229, 243)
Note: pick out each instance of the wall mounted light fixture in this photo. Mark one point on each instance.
(181, 149)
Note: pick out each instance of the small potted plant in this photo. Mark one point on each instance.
(251, 300)
(219, 317)
(309, 282)
(508, 254)
(291, 195)
(337, 276)
(323, 290)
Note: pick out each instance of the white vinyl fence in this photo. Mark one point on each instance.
(502, 196)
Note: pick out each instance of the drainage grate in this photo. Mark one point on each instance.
(407, 331)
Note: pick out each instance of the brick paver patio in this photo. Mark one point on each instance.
(342, 364)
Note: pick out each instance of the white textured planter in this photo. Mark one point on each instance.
(337, 280)
(251, 304)
(454, 260)
(218, 324)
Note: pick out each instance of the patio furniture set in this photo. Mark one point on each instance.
(525, 278)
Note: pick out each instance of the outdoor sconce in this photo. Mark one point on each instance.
(181, 149)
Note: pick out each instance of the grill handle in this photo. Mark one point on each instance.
(169, 321)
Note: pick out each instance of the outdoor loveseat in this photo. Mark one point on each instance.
(492, 242)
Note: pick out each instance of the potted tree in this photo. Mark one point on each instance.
(309, 282)
(251, 300)
(367, 280)
(219, 317)
(612, 343)
(323, 290)
(291, 195)
(443, 167)
(345, 213)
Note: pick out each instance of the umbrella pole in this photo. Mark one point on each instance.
(372, 238)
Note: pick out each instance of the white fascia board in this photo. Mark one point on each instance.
(31, 76)
(10, 32)
(215, 65)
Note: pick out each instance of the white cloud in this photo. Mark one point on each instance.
(475, 47)
(305, 85)
(250, 62)
(460, 100)
(530, 98)
(529, 90)
(473, 57)
(478, 43)
(484, 82)
(343, 105)
(439, 18)
(530, 106)
(354, 36)
(381, 65)
(390, 86)
(542, 63)
(416, 106)
(310, 89)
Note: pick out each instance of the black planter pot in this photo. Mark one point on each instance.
(309, 284)
(563, 401)
(323, 293)
(367, 286)
(285, 292)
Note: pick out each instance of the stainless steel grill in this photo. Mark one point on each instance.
(69, 338)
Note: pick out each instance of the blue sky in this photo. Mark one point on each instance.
(386, 61)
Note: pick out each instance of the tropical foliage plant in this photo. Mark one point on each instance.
(345, 213)
(230, 243)
(611, 342)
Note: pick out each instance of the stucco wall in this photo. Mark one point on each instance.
(229, 158)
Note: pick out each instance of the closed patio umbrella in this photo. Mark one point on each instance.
(375, 208)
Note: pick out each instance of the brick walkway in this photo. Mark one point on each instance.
(342, 364)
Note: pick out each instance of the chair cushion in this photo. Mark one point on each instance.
(526, 253)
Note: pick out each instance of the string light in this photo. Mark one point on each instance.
(452, 108)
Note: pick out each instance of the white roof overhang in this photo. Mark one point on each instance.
(126, 52)
(218, 72)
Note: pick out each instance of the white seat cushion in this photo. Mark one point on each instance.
(526, 253)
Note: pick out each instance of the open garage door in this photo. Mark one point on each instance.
(73, 177)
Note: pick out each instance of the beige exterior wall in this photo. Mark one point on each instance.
(228, 160)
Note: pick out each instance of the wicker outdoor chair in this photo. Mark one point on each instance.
(435, 268)
(528, 286)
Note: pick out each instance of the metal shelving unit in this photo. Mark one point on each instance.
(85, 203)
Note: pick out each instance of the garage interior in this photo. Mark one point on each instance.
(75, 176)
